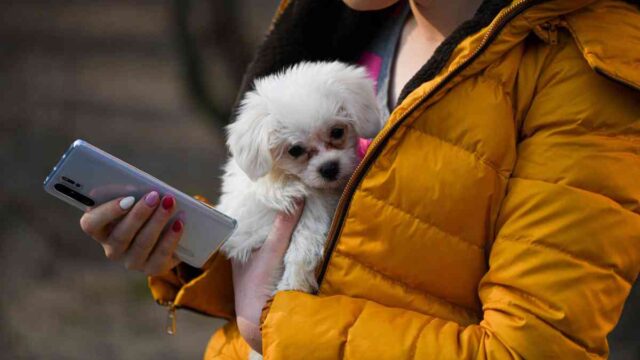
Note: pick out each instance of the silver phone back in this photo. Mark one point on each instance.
(101, 177)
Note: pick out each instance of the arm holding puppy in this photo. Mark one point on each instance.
(255, 280)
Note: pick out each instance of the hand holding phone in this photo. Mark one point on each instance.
(87, 177)
(133, 231)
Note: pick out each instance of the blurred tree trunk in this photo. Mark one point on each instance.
(223, 34)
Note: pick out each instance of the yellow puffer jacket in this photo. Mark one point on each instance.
(497, 214)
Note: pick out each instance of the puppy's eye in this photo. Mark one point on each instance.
(296, 151)
(337, 133)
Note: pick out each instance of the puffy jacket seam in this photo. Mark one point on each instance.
(402, 284)
(604, 59)
(220, 355)
(599, 131)
(632, 140)
(343, 348)
(535, 299)
(488, 163)
(422, 221)
(531, 242)
(550, 325)
(500, 83)
(414, 343)
(617, 205)
(525, 294)
(623, 138)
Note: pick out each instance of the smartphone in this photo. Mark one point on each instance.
(86, 177)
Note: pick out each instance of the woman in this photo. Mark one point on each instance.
(495, 215)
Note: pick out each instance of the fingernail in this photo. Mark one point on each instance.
(152, 199)
(168, 202)
(177, 226)
(127, 202)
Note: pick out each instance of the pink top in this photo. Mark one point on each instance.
(373, 64)
(363, 145)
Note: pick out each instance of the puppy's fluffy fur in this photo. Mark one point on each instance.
(296, 136)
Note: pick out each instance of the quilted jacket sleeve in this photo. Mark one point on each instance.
(565, 255)
(208, 290)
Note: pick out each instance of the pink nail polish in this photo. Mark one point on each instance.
(152, 199)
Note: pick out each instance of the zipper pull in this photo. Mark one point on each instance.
(171, 319)
(550, 29)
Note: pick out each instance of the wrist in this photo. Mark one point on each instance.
(250, 332)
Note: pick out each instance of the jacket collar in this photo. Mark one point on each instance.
(608, 34)
(328, 30)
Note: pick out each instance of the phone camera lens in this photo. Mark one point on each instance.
(68, 180)
(74, 194)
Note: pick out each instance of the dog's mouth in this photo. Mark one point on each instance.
(334, 184)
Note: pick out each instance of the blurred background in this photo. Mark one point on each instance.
(151, 81)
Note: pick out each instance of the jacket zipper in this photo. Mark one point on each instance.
(171, 320)
(551, 29)
(172, 308)
(170, 326)
(378, 143)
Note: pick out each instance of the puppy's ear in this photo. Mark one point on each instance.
(248, 137)
(358, 99)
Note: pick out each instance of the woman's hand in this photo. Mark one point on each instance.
(255, 280)
(133, 233)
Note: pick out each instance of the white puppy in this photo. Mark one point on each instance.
(296, 136)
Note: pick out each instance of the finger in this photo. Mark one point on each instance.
(174, 260)
(96, 221)
(141, 246)
(123, 233)
(285, 223)
(161, 259)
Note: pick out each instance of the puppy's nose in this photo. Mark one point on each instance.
(329, 170)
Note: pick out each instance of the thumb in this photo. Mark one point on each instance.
(283, 227)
